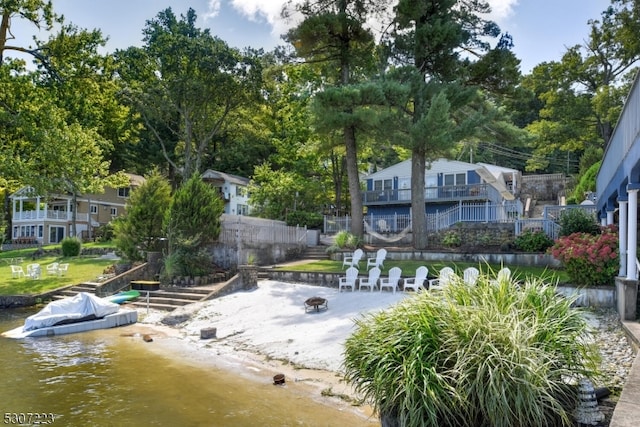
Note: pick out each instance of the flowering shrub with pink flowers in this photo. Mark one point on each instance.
(589, 259)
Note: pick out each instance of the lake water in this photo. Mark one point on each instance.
(106, 378)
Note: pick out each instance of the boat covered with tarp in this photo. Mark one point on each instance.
(81, 312)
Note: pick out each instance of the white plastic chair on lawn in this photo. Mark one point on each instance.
(370, 281)
(417, 282)
(34, 271)
(349, 280)
(63, 268)
(52, 269)
(353, 260)
(16, 272)
(378, 261)
(504, 275)
(445, 276)
(470, 275)
(391, 281)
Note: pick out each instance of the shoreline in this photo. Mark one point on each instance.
(266, 331)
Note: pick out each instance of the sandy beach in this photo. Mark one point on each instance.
(267, 331)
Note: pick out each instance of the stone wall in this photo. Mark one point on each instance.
(472, 235)
(229, 257)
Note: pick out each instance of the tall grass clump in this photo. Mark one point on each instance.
(489, 355)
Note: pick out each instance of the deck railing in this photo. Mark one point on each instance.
(51, 215)
(441, 194)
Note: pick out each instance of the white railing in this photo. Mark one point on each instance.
(553, 213)
(549, 227)
(49, 215)
(396, 223)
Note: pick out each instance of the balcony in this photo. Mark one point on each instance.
(446, 193)
(48, 215)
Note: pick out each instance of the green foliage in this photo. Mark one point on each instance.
(346, 240)
(310, 219)
(587, 182)
(590, 260)
(533, 241)
(484, 355)
(451, 239)
(192, 222)
(578, 221)
(187, 261)
(140, 229)
(105, 233)
(71, 246)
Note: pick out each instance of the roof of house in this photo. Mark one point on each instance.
(212, 175)
(403, 169)
(27, 191)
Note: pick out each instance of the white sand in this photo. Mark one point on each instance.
(271, 321)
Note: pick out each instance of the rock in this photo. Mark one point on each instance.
(207, 333)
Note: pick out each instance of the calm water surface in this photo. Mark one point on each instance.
(101, 378)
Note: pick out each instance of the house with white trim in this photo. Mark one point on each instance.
(233, 189)
(448, 184)
(617, 187)
(47, 219)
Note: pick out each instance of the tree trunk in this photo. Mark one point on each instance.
(357, 226)
(418, 213)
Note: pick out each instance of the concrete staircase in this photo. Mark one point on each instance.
(165, 299)
(316, 252)
(171, 298)
(89, 287)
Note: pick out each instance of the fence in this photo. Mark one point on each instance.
(397, 223)
(242, 229)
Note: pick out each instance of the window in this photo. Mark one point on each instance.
(455, 179)
(124, 192)
(243, 209)
(114, 211)
(241, 191)
(93, 209)
(383, 184)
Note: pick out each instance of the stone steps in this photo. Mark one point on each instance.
(316, 252)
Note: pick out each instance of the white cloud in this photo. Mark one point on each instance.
(270, 11)
(213, 8)
(501, 9)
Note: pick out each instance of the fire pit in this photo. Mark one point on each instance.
(316, 303)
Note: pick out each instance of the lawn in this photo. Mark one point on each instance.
(409, 267)
(81, 269)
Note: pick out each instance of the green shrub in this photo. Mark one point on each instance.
(451, 239)
(312, 220)
(346, 240)
(578, 221)
(533, 241)
(71, 246)
(485, 355)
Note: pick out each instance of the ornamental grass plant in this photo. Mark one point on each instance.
(499, 355)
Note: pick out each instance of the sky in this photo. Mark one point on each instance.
(541, 29)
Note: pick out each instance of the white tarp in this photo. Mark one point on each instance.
(81, 306)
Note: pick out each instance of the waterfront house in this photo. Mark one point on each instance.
(450, 185)
(233, 189)
(46, 219)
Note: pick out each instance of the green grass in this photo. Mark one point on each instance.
(409, 268)
(81, 269)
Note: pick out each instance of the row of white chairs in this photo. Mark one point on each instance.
(416, 283)
(354, 259)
